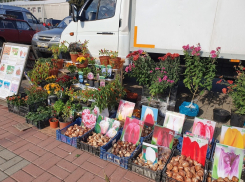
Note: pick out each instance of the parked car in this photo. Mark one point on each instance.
(15, 30)
(43, 40)
(22, 14)
(53, 22)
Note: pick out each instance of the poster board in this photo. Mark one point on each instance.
(12, 63)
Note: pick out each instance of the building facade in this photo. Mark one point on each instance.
(42, 10)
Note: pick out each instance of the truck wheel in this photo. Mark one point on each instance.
(1, 42)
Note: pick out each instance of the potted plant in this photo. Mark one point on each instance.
(90, 77)
(67, 114)
(199, 75)
(71, 68)
(64, 81)
(114, 59)
(14, 102)
(36, 97)
(53, 122)
(83, 62)
(40, 119)
(105, 56)
(84, 49)
(73, 51)
(56, 50)
(235, 89)
(57, 108)
(50, 79)
(52, 89)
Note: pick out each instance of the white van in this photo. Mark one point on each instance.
(160, 26)
(22, 14)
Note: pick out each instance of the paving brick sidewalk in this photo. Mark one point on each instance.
(33, 156)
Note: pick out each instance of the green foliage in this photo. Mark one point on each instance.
(41, 114)
(16, 100)
(199, 72)
(58, 107)
(35, 94)
(68, 110)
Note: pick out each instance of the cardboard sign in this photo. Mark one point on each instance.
(12, 64)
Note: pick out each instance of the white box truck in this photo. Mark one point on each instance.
(160, 26)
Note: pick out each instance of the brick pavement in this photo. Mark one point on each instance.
(34, 156)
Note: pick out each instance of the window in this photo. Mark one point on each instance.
(31, 18)
(33, 9)
(100, 9)
(18, 15)
(1, 24)
(8, 24)
(39, 10)
(22, 25)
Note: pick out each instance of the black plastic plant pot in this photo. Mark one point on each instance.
(52, 99)
(96, 84)
(237, 120)
(43, 83)
(91, 83)
(221, 115)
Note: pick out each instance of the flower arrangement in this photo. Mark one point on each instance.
(81, 60)
(165, 74)
(113, 54)
(199, 72)
(140, 67)
(236, 89)
(51, 79)
(35, 94)
(71, 67)
(84, 47)
(104, 52)
(52, 88)
(16, 100)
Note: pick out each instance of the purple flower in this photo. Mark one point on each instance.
(140, 51)
(126, 69)
(151, 71)
(228, 164)
(165, 78)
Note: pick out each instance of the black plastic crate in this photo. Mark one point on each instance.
(23, 110)
(33, 107)
(39, 124)
(165, 178)
(81, 143)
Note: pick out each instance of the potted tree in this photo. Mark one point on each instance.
(235, 89)
(199, 75)
(114, 59)
(105, 56)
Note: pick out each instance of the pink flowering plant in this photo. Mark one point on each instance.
(199, 72)
(140, 67)
(165, 74)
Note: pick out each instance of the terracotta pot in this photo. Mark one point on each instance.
(104, 60)
(83, 55)
(114, 62)
(120, 65)
(53, 124)
(84, 65)
(54, 72)
(74, 57)
(64, 124)
(60, 63)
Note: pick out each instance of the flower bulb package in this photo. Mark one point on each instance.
(88, 118)
(132, 130)
(228, 162)
(107, 126)
(163, 136)
(195, 148)
(150, 152)
(233, 136)
(149, 115)
(174, 121)
(204, 128)
(125, 109)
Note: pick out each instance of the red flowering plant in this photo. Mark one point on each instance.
(199, 72)
(66, 81)
(68, 111)
(16, 100)
(140, 67)
(236, 89)
(165, 74)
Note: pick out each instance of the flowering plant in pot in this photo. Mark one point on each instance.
(84, 49)
(105, 56)
(140, 67)
(67, 114)
(58, 108)
(83, 62)
(52, 90)
(73, 50)
(40, 72)
(199, 75)
(114, 59)
(64, 81)
(15, 102)
(235, 89)
(51, 79)
(71, 67)
(35, 96)
(56, 50)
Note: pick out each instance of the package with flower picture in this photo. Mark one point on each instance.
(107, 126)
(125, 109)
(150, 153)
(174, 121)
(228, 162)
(88, 118)
(203, 127)
(132, 130)
(149, 115)
(195, 148)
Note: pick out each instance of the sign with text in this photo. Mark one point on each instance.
(12, 64)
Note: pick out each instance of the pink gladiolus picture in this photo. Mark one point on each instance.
(132, 130)
(228, 162)
(204, 128)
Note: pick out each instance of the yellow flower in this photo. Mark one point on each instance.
(81, 59)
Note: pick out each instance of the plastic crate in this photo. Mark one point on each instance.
(33, 107)
(165, 178)
(91, 149)
(70, 141)
(39, 124)
(23, 111)
(121, 161)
